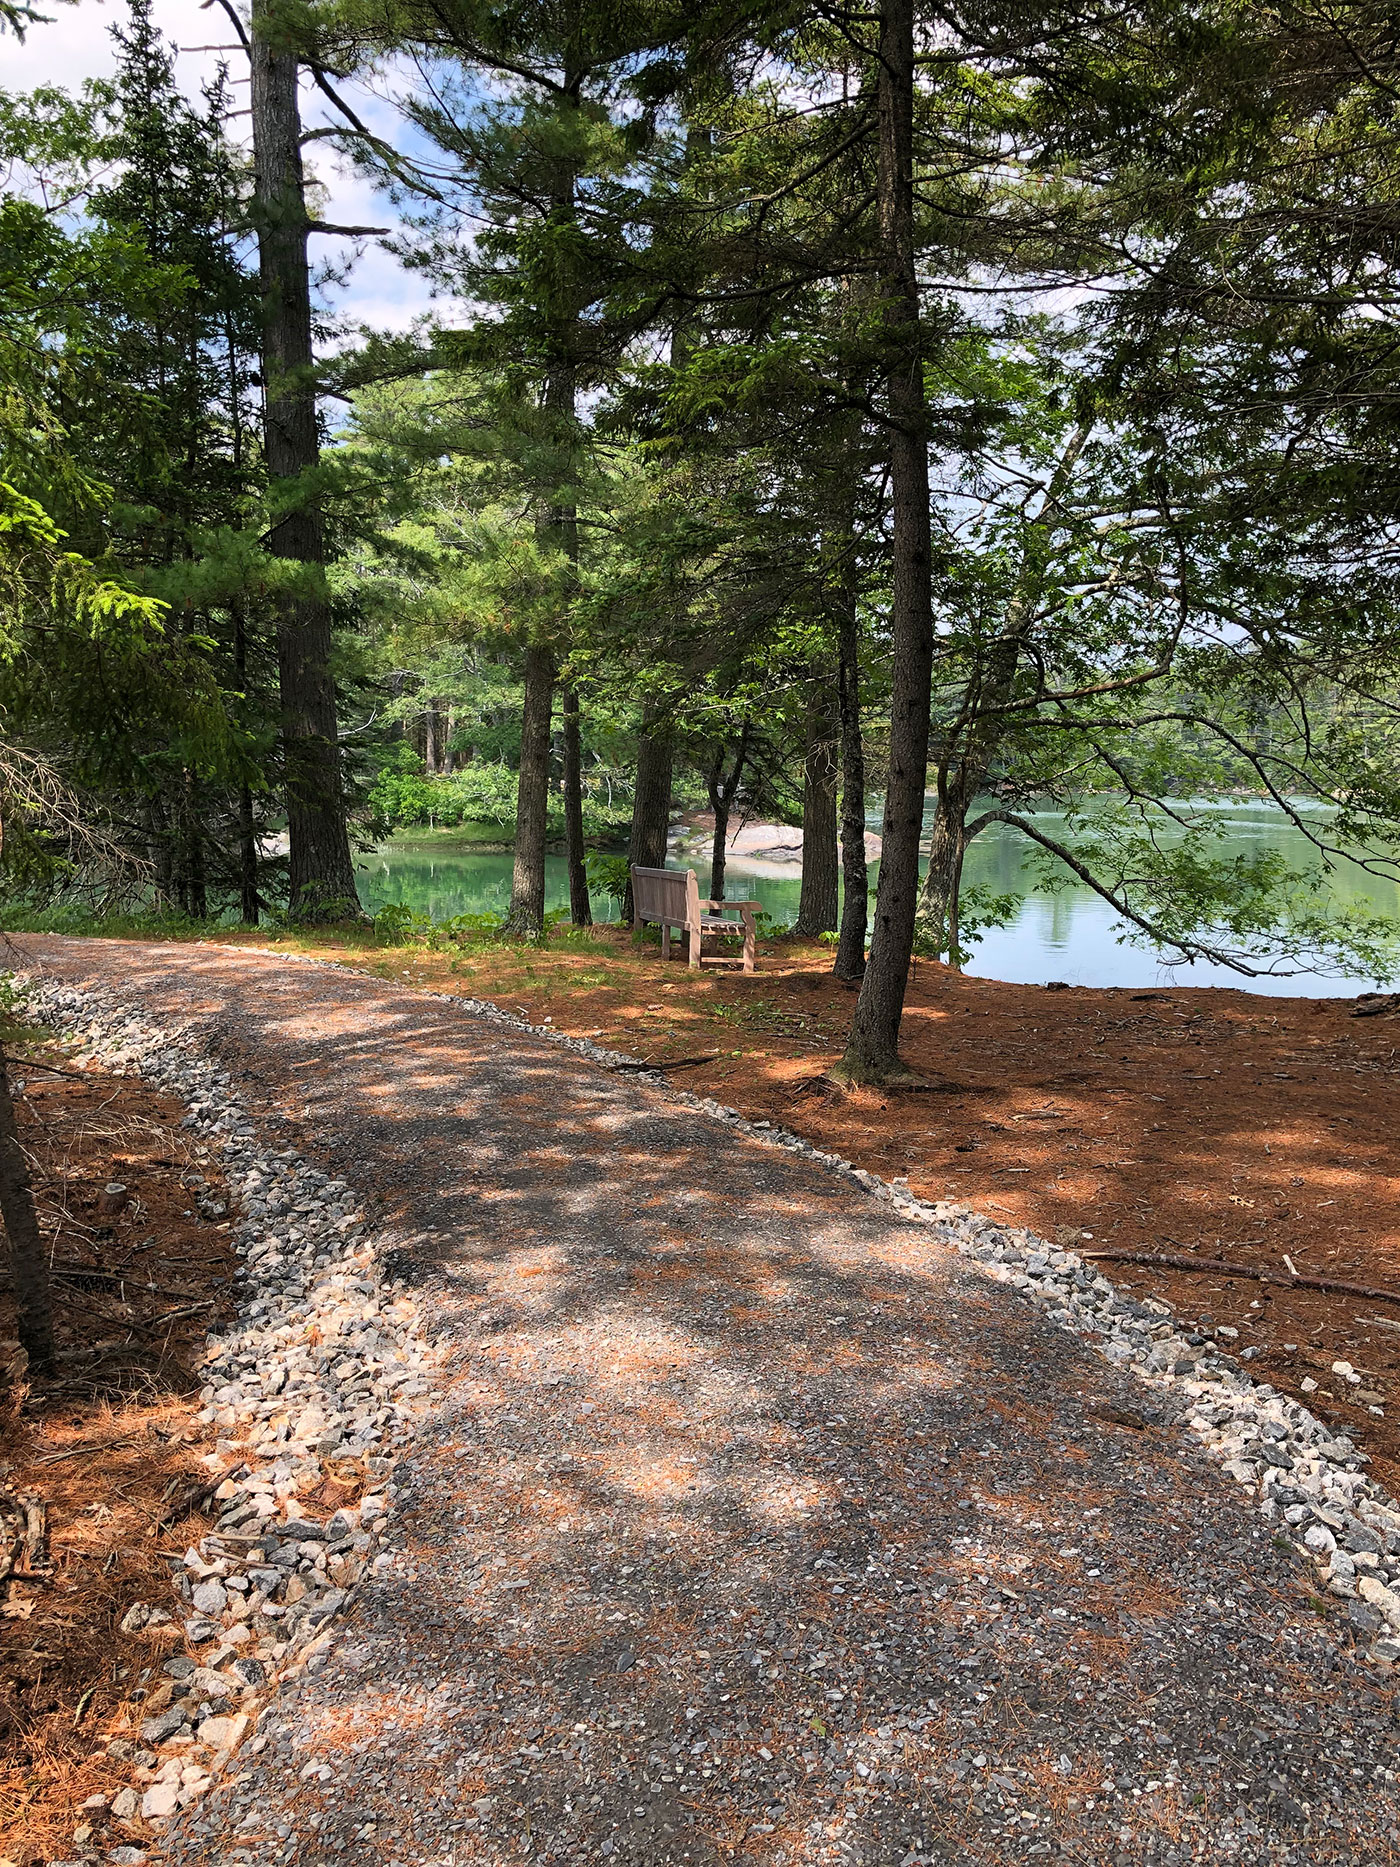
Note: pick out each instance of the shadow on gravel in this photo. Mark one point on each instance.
(754, 1525)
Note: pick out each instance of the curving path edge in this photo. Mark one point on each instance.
(753, 1524)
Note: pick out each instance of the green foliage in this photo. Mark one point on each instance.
(1252, 910)
(609, 875)
(401, 796)
(979, 910)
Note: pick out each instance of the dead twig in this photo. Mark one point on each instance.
(665, 1063)
(1219, 1267)
(77, 1452)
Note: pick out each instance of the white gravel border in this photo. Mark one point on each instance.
(312, 1270)
(327, 1361)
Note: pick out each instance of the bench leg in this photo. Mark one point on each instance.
(665, 939)
(750, 944)
(693, 938)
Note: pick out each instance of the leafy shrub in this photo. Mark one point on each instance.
(403, 796)
(609, 875)
(979, 909)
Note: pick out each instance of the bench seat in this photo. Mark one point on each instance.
(670, 898)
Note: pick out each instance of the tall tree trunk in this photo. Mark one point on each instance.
(248, 903)
(718, 854)
(28, 1264)
(430, 738)
(819, 899)
(321, 871)
(937, 911)
(966, 759)
(723, 790)
(557, 530)
(872, 1050)
(194, 850)
(855, 908)
(580, 907)
(525, 918)
(449, 757)
(651, 804)
(162, 855)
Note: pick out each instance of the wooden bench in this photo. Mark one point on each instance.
(671, 898)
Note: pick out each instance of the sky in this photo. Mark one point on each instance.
(76, 45)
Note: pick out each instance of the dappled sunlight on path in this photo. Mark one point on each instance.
(751, 1524)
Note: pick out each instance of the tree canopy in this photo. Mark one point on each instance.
(960, 409)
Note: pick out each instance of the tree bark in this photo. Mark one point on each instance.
(718, 855)
(651, 804)
(197, 893)
(937, 913)
(248, 903)
(722, 791)
(855, 909)
(321, 871)
(449, 757)
(819, 900)
(28, 1264)
(580, 907)
(525, 917)
(872, 1050)
(430, 738)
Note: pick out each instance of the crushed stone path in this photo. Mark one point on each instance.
(754, 1524)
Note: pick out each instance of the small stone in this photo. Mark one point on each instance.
(156, 1730)
(125, 1804)
(159, 1801)
(1380, 1597)
(135, 1618)
(1360, 1538)
(225, 1732)
(126, 1856)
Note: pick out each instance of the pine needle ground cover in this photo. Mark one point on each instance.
(108, 1445)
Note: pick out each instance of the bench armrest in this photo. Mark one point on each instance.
(715, 906)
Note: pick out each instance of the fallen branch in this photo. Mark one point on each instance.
(24, 1526)
(77, 1452)
(193, 1498)
(29, 1063)
(1174, 1261)
(665, 1063)
(1375, 1004)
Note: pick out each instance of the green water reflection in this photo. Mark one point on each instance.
(1070, 935)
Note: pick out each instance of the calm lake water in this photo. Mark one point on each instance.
(1071, 935)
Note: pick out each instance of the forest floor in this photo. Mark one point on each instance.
(110, 1442)
(750, 1523)
(1181, 1121)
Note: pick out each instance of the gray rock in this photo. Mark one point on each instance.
(174, 1718)
(210, 1597)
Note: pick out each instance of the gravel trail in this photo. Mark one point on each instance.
(753, 1524)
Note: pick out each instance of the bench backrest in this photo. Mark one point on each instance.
(665, 895)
